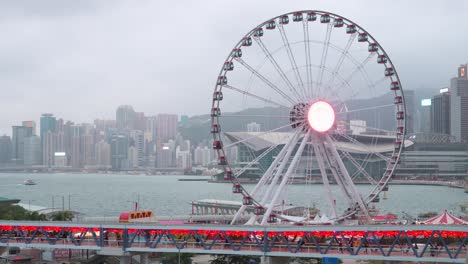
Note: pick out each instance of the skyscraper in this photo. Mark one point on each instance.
(31, 124)
(459, 104)
(103, 154)
(440, 113)
(20, 133)
(48, 138)
(138, 141)
(166, 127)
(32, 151)
(125, 117)
(5, 149)
(119, 152)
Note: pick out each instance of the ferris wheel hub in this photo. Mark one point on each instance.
(321, 116)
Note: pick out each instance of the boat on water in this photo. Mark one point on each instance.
(29, 182)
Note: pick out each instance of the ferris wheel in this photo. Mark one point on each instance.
(331, 109)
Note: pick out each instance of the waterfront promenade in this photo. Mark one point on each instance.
(399, 243)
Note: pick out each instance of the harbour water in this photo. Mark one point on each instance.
(108, 195)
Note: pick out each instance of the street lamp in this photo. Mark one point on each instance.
(29, 204)
(63, 201)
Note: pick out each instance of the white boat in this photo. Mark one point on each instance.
(29, 182)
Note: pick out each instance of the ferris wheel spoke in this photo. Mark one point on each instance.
(318, 150)
(292, 60)
(285, 179)
(266, 81)
(342, 172)
(305, 26)
(278, 68)
(230, 87)
(268, 176)
(323, 59)
(365, 109)
(360, 169)
(344, 53)
(360, 68)
(260, 134)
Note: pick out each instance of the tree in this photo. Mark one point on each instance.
(15, 212)
(173, 258)
(235, 259)
(62, 216)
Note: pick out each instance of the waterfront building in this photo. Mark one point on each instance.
(357, 127)
(253, 127)
(165, 155)
(424, 116)
(32, 151)
(5, 149)
(440, 112)
(132, 157)
(459, 104)
(76, 146)
(125, 117)
(48, 126)
(151, 126)
(60, 159)
(31, 124)
(138, 141)
(20, 133)
(434, 160)
(48, 123)
(49, 143)
(103, 154)
(183, 158)
(87, 152)
(119, 152)
(166, 127)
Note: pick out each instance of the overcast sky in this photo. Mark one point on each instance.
(81, 59)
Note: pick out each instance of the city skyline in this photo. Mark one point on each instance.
(82, 60)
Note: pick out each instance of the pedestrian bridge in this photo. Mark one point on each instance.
(373, 242)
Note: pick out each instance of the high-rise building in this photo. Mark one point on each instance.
(140, 121)
(48, 123)
(138, 141)
(253, 127)
(5, 149)
(103, 154)
(60, 159)
(166, 127)
(151, 126)
(31, 124)
(125, 117)
(20, 133)
(32, 151)
(440, 112)
(119, 152)
(410, 103)
(132, 157)
(49, 145)
(459, 104)
(48, 138)
(165, 156)
(76, 146)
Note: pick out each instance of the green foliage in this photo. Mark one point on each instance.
(234, 259)
(15, 212)
(62, 216)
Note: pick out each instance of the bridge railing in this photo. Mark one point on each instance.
(387, 242)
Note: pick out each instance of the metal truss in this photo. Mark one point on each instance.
(410, 243)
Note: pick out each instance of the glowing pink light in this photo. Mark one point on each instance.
(321, 116)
